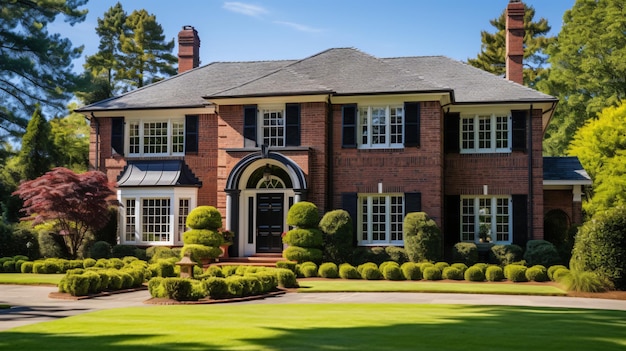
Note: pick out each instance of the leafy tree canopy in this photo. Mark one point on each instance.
(70, 137)
(35, 66)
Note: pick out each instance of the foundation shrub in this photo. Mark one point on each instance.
(328, 270)
(235, 285)
(494, 274)
(287, 264)
(424, 265)
(553, 269)
(89, 262)
(505, 254)
(204, 217)
(178, 289)
(308, 271)
(375, 255)
(8, 266)
(452, 273)
(302, 254)
(303, 214)
(348, 271)
(537, 273)
(337, 228)
(387, 263)
(422, 237)
(483, 266)
(392, 272)
(371, 273)
(286, 278)
(397, 254)
(206, 237)
(155, 287)
(360, 267)
(460, 266)
(100, 249)
(77, 284)
(311, 238)
(27, 267)
(432, 273)
(541, 252)
(515, 273)
(411, 271)
(442, 265)
(216, 287)
(474, 274)
(115, 280)
(466, 253)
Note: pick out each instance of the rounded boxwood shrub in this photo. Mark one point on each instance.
(178, 289)
(251, 285)
(77, 284)
(8, 266)
(411, 271)
(204, 217)
(155, 288)
(392, 272)
(474, 274)
(442, 265)
(302, 254)
(27, 267)
(162, 268)
(371, 273)
(100, 249)
(268, 280)
(553, 269)
(286, 278)
(328, 270)
(127, 279)
(505, 254)
(452, 273)
(94, 282)
(198, 290)
(460, 266)
(308, 271)
(397, 254)
(560, 273)
(235, 285)
(348, 271)
(483, 266)
(541, 252)
(304, 237)
(206, 237)
(466, 253)
(216, 287)
(303, 214)
(422, 237)
(214, 271)
(287, 264)
(494, 274)
(115, 280)
(537, 273)
(515, 273)
(360, 267)
(337, 228)
(198, 253)
(387, 263)
(424, 265)
(89, 262)
(432, 273)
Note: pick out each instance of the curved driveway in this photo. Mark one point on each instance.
(31, 304)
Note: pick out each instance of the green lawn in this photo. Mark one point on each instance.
(326, 327)
(343, 285)
(30, 278)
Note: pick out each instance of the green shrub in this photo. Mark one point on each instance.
(411, 271)
(371, 273)
(76, 264)
(432, 273)
(422, 237)
(18, 265)
(541, 252)
(424, 265)
(348, 271)
(361, 267)
(600, 246)
(494, 274)
(115, 263)
(155, 253)
(460, 266)
(302, 254)
(286, 278)
(466, 253)
(585, 282)
(268, 279)
(216, 287)
(452, 273)
(178, 289)
(559, 274)
(537, 273)
(76, 284)
(553, 269)
(127, 279)
(162, 268)
(100, 249)
(387, 263)
(206, 237)
(199, 253)
(214, 271)
(8, 266)
(229, 270)
(204, 217)
(235, 285)
(115, 280)
(474, 274)
(505, 254)
(483, 266)
(89, 262)
(104, 279)
(308, 271)
(94, 282)
(397, 254)
(338, 232)
(311, 238)
(303, 214)
(120, 251)
(328, 270)
(392, 272)
(287, 264)
(515, 273)
(251, 285)
(375, 254)
(442, 265)
(27, 267)
(155, 287)
(198, 290)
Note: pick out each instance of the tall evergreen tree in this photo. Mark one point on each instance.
(587, 68)
(492, 57)
(35, 66)
(37, 154)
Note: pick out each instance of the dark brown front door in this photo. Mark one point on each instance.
(269, 221)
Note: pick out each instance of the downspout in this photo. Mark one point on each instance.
(531, 201)
(97, 156)
(329, 156)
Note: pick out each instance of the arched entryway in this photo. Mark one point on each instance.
(260, 190)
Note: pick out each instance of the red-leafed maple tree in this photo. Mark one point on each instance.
(75, 203)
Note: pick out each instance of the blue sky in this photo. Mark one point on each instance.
(289, 29)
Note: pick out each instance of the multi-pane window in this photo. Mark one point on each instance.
(273, 127)
(130, 229)
(381, 126)
(183, 212)
(486, 219)
(381, 218)
(164, 137)
(485, 133)
(155, 219)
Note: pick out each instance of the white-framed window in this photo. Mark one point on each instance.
(486, 219)
(380, 219)
(158, 137)
(486, 133)
(381, 126)
(153, 216)
(272, 126)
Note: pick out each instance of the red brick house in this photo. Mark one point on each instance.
(378, 137)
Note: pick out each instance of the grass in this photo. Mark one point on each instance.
(342, 285)
(30, 278)
(284, 327)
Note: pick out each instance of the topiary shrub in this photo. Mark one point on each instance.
(178, 289)
(392, 272)
(537, 273)
(553, 269)
(541, 252)
(474, 274)
(199, 253)
(600, 246)
(304, 238)
(422, 237)
(411, 271)
(505, 254)
(286, 278)
(206, 237)
(371, 273)
(328, 270)
(100, 249)
(466, 253)
(337, 228)
(303, 214)
(515, 273)
(204, 217)
(494, 274)
(156, 253)
(216, 287)
(348, 271)
(302, 254)
(452, 273)
(432, 273)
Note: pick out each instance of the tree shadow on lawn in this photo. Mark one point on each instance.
(426, 328)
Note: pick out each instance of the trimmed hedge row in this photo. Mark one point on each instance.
(80, 281)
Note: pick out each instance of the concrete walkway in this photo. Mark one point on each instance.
(31, 304)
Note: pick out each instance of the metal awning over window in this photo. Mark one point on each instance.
(157, 173)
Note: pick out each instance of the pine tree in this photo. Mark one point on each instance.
(37, 153)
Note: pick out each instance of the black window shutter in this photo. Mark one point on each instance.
(520, 220)
(411, 124)
(349, 204)
(451, 135)
(452, 221)
(191, 134)
(292, 125)
(349, 125)
(249, 126)
(412, 202)
(117, 135)
(518, 130)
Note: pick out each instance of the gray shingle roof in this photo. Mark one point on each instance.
(341, 71)
(564, 169)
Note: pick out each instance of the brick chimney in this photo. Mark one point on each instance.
(188, 49)
(515, 41)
